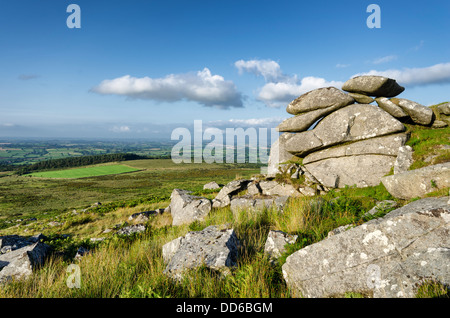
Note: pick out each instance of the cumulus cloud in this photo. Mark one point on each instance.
(270, 70)
(280, 89)
(201, 87)
(278, 94)
(436, 74)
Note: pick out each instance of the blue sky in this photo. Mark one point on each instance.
(141, 68)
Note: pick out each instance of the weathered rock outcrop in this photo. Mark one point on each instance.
(417, 183)
(386, 257)
(352, 144)
(351, 123)
(212, 247)
(362, 171)
(278, 154)
(378, 86)
(418, 113)
(319, 99)
(187, 208)
(387, 105)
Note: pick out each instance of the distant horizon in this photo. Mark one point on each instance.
(140, 69)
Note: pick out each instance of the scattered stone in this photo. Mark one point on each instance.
(384, 258)
(215, 248)
(81, 251)
(131, 229)
(276, 242)
(186, 208)
(417, 183)
(307, 191)
(404, 159)
(97, 239)
(318, 99)
(439, 124)
(223, 198)
(444, 109)
(254, 189)
(419, 114)
(142, 216)
(55, 223)
(378, 86)
(382, 207)
(212, 186)
(251, 203)
(273, 188)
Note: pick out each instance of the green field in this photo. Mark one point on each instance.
(85, 172)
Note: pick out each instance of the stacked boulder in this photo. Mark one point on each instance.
(344, 140)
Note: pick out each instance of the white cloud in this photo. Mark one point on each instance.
(281, 93)
(121, 129)
(269, 69)
(281, 89)
(339, 65)
(384, 59)
(201, 87)
(7, 125)
(436, 74)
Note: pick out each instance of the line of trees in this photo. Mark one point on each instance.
(77, 162)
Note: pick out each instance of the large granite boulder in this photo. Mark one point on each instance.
(417, 183)
(387, 257)
(362, 163)
(19, 263)
(186, 208)
(419, 114)
(360, 171)
(378, 86)
(278, 154)
(303, 121)
(351, 123)
(10, 243)
(386, 145)
(318, 99)
(212, 247)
